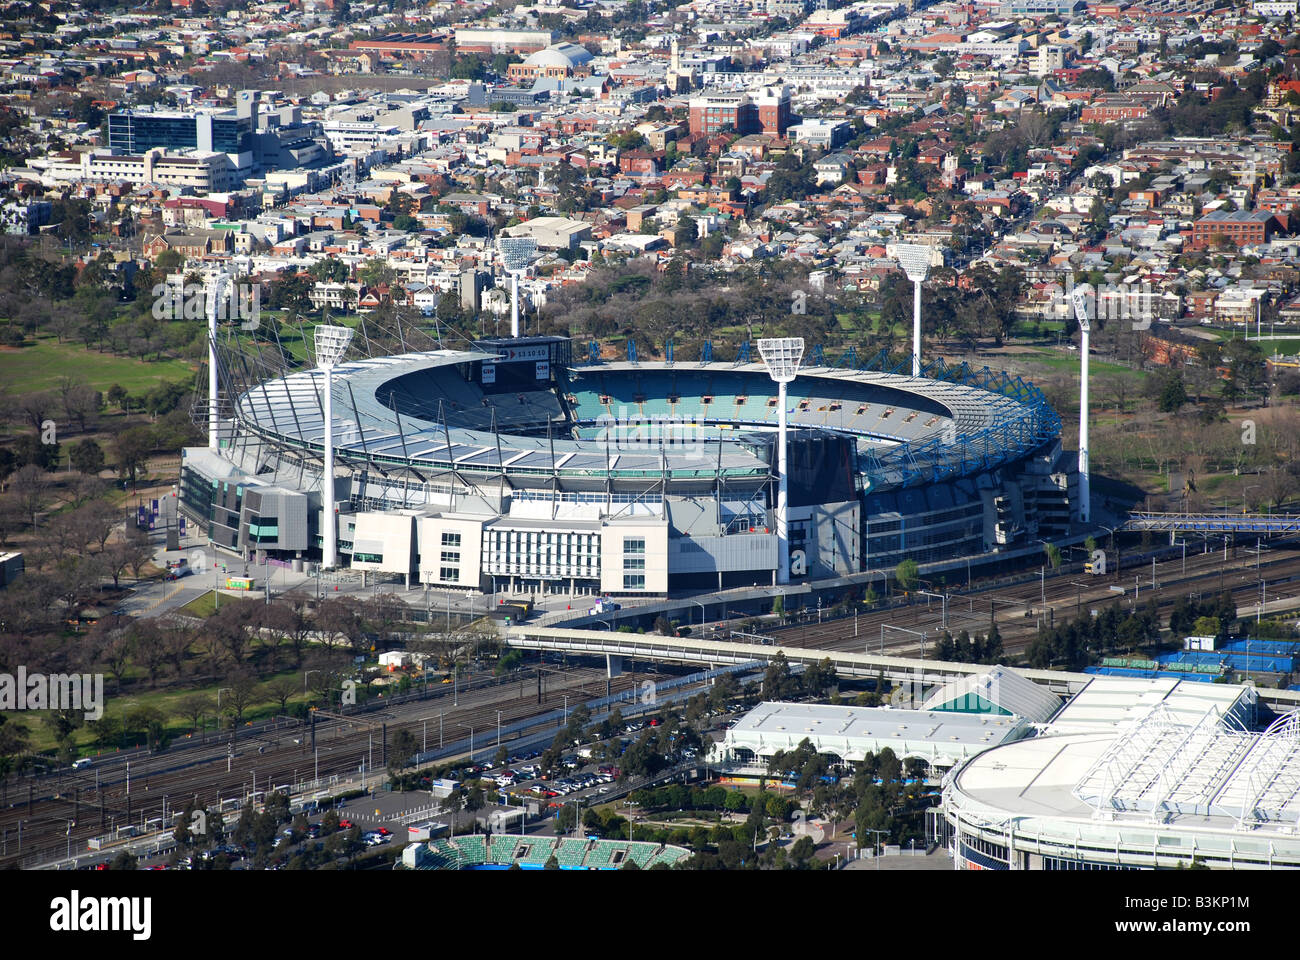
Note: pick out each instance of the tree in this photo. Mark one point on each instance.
(1173, 393)
(330, 270)
(400, 753)
(281, 688)
(194, 707)
(240, 695)
(376, 271)
(82, 405)
(1053, 553)
(566, 819)
(31, 489)
(131, 449)
(907, 574)
(87, 456)
(14, 742)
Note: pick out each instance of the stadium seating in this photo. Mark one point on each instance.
(539, 850)
(668, 855)
(502, 850)
(602, 855)
(571, 852)
(472, 848)
(642, 853)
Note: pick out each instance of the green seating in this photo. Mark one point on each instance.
(571, 853)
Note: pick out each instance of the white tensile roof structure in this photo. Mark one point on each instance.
(999, 691)
(940, 738)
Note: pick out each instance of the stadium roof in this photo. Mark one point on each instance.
(999, 691)
(943, 738)
(290, 409)
(1107, 703)
(1186, 783)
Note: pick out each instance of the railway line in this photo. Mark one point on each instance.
(34, 820)
(42, 817)
(1020, 611)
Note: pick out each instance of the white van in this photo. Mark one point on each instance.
(79, 764)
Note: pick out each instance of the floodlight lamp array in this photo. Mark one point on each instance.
(914, 258)
(781, 356)
(516, 252)
(331, 343)
(1079, 297)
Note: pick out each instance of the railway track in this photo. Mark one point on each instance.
(1022, 609)
(99, 799)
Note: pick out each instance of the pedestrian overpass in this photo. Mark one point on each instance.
(925, 673)
(1218, 522)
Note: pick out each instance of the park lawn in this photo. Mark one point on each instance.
(41, 737)
(291, 338)
(1058, 361)
(1025, 330)
(205, 605)
(39, 366)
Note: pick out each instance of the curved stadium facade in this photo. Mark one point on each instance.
(1159, 792)
(509, 467)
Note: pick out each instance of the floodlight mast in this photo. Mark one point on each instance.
(1079, 298)
(515, 254)
(331, 343)
(212, 293)
(514, 305)
(782, 356)
(914, 258)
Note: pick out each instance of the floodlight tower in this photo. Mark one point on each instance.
(781, 356)
(515, 254)
(1079, 298)
(331, 343)
(212, 290)
(914, 258)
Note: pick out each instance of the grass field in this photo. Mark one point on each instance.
(41, 736)
(205, 605)
(1056, 361)
(39, 366)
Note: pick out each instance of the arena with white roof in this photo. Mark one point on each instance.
(1134, 774)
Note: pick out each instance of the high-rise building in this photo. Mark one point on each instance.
(773, 105)
(767, 111)
(716, 112)
(135, 131)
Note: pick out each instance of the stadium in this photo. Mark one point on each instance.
(501, 851)
(507, 466)
(1134, 774)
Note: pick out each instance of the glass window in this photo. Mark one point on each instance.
(633, 581)
(451, 539)
(634, 546)
(449, 573)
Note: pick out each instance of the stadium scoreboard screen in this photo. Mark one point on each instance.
(527, 363)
